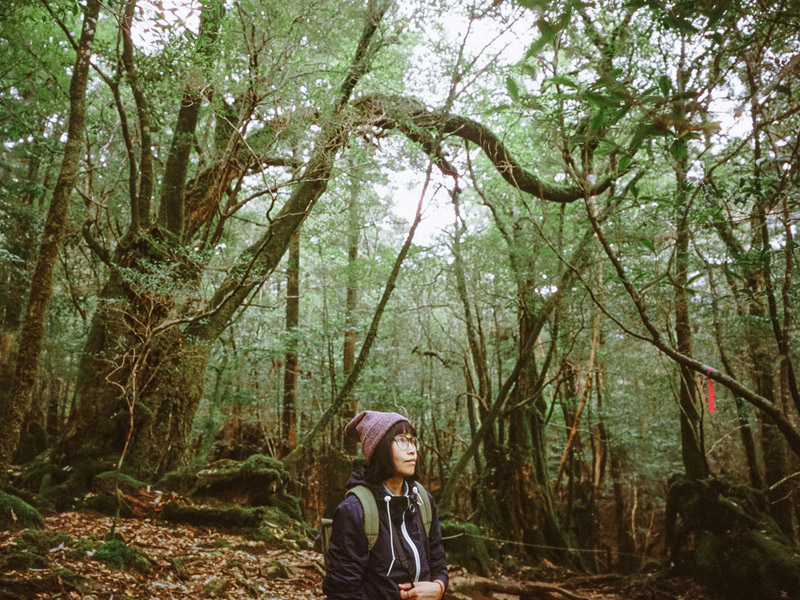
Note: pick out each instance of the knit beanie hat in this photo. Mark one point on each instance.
(370, 426)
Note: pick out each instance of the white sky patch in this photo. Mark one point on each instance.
(155, 22)
(404, 189)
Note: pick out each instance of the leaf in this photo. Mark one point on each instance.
(561, 80)
(605, 147)
(679, 150)
(533, 4)
(548, 31)
(624, 163)
(513, 88)
(664, 84)
(536, 47)
(647, 243)
(720, 8)
(597, 122)
(566, 17)
(680, 24)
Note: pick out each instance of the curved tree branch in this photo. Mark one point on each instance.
(421, 125)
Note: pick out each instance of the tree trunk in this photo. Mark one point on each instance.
(349, 351)
(522, 479)
(692, 444)
(42, 282)
(289, 410)
(14, 281)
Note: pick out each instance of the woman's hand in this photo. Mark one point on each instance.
(422, 590)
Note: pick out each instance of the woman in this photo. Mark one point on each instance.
(405, 562)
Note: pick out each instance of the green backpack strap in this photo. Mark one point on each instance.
(425, 509)
(367, 499)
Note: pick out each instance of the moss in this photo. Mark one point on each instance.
(30, 550)
(259, 463)
(279, 570)
(83, 547)
(466, 547)
(206, 515)
(103, 496)
(62, 486)
(183, 482)
(17, 514)
(44, 541)
(110, 479)
(285, 502)
(221, 543)
(34, 499)
(117, 555)
(15, 557)
(278, 530)
(723, 535)
(256, 476)
(215, 587)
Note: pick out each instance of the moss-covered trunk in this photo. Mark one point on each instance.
(141, 376)
(521, 481)
(16, 404)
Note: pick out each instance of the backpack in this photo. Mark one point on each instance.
(367, 500)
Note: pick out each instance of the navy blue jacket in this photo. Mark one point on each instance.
(355, 573)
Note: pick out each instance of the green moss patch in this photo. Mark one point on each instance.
(117, 555)
(178, 512)
(105, 490)
(465, 546)
(252, 481)
(16, 514)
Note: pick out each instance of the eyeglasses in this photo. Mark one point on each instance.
(403, 442)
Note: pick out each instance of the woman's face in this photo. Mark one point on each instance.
(404, 454)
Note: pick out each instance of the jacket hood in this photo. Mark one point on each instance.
(398, 503)
(358, 477)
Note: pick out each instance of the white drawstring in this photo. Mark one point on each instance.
(416, 493)
(391, 538)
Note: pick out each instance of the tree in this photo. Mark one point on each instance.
(32, 330)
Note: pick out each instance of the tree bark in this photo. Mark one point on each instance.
(42, 282)
(349, 350)
(289, 410)
(172, 208)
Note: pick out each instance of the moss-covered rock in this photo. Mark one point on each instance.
(16, 514)
(465, 546)
(42, 541)
(30, 550)
(236, 517)
(64, 486)
(105, 493)
(251, 482)
(118, 555)
(723, 535)
(35, 500)
(279, 530)
(182, 482)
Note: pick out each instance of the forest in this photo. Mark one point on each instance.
(557, 235)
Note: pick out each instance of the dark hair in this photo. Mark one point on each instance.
(380, 466)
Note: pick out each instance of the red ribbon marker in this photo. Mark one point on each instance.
(712, 405)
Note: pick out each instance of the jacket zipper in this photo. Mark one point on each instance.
(412, 546)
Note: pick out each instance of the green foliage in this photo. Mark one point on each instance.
(118, 555)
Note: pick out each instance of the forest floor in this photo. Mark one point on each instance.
(188, 562)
